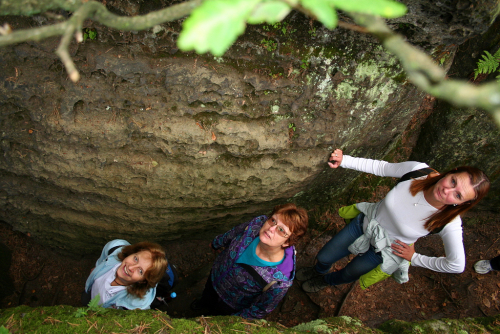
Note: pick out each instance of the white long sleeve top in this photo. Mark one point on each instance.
(404, 216)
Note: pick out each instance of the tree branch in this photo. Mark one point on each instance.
(172, 13)
(33, 34)
(420, 68)
(63, 53)
(99, 13)
(428, 76)
(32, 7)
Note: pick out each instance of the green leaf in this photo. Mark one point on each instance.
(102, 310)
(385, 8)
(215, 25)
(94, 303)
(323, 11)
(92, 34)
(497, 54)
(81, 312)
(270, 12)
(488, 64)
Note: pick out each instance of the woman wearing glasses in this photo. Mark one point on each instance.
(256, 266)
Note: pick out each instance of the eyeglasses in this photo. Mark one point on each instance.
(281, 231)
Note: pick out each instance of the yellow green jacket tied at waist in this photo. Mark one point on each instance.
(376, 236)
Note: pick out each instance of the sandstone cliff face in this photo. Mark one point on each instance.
(453, 136)
(156, 144)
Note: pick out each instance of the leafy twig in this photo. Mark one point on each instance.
(430, 77)
(488, 64)
(98, 12)
(92, 307)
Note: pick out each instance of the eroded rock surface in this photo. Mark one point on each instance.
(153, 143)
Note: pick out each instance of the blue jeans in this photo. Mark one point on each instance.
(495, 263)
(336, 249)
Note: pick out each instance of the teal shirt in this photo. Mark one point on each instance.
(250, 257)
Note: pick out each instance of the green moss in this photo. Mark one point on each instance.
(61, 319)
(315, 326)
(219, 59)
(384, 73)
(279, 118)
(469, 325)
(269, 44)
(308, 116)
(346, 90)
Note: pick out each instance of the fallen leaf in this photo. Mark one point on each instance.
(213, 136)
(486, 302)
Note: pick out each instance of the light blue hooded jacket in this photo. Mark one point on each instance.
(122, 299)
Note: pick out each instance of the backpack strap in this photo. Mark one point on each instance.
(416, 173)
(171, 274)
(437, 230)
(112, 249)
(257, 277)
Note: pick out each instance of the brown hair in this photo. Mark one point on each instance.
(479, 181)
(154, 274)
(294, 218)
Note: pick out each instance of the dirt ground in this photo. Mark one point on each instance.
(43, 277)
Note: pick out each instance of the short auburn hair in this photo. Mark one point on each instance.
(154, 274)
(295, 218)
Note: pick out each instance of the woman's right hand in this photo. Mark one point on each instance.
(335, 158)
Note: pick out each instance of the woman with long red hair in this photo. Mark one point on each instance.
(412, 209)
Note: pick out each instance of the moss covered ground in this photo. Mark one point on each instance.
(63, 319)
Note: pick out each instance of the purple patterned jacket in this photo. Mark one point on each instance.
(235, 285)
